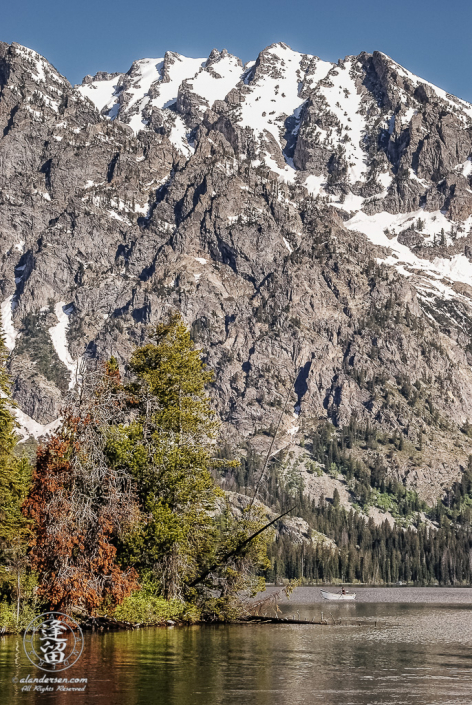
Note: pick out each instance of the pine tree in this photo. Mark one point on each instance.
(14, 482)
(170, 447)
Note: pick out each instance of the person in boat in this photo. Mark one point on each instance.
(343, 591)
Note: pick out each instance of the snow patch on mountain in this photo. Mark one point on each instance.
(179, 137)
(416, 81)
(379, 229)
(287, 245)
(317, 72)
(344, 102)
(29, 427)
(7, 322)
(315, 184)
(101, 92)
(286, 173)
(58, 335)
(275, 90)
(42, 70)
(214, 82)
(149, 82)
(466, 167)
(375, 226)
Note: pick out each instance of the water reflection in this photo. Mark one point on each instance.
(416, 654)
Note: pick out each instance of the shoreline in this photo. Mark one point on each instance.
(305, 595)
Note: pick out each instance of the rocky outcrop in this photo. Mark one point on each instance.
(37, 397)
(186, 197)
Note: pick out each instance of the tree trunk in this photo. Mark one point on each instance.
(18, 594)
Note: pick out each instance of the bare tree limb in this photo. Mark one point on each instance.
(236, 550)
(258, 483)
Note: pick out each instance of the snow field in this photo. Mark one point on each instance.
(7, 322)
(29, 427)
(59, 340)
(344, 102)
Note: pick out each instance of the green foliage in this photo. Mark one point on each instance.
(371, 553)
(314, 469)
(242, 573)
(151, 447)
(36, 342)
(145, 607)
(169, 447)
(369, 480)
(7, 420)
(10, 623)
(15, 477)
(457, 501)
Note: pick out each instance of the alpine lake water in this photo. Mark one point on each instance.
(393, 646)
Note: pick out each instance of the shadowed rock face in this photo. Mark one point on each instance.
(291, 210)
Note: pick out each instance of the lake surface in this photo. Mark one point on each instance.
(420, 652)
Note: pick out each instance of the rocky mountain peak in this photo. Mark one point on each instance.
(312, 222)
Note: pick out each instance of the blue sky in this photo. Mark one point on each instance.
(429, 37)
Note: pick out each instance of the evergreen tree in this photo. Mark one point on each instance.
(170, 447)
(14, 482)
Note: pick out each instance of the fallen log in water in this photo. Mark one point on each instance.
(100, 623)
(279, 620)
(261, 619)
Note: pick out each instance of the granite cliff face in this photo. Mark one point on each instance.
(311, 221)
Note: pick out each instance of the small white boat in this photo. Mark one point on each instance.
(338, 595)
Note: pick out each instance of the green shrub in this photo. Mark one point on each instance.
(146, 608)
(8, 621)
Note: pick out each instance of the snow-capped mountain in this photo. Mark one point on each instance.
(312, 221)
(321, 125)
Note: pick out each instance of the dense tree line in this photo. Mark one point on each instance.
(426, 545)
(372, 553)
